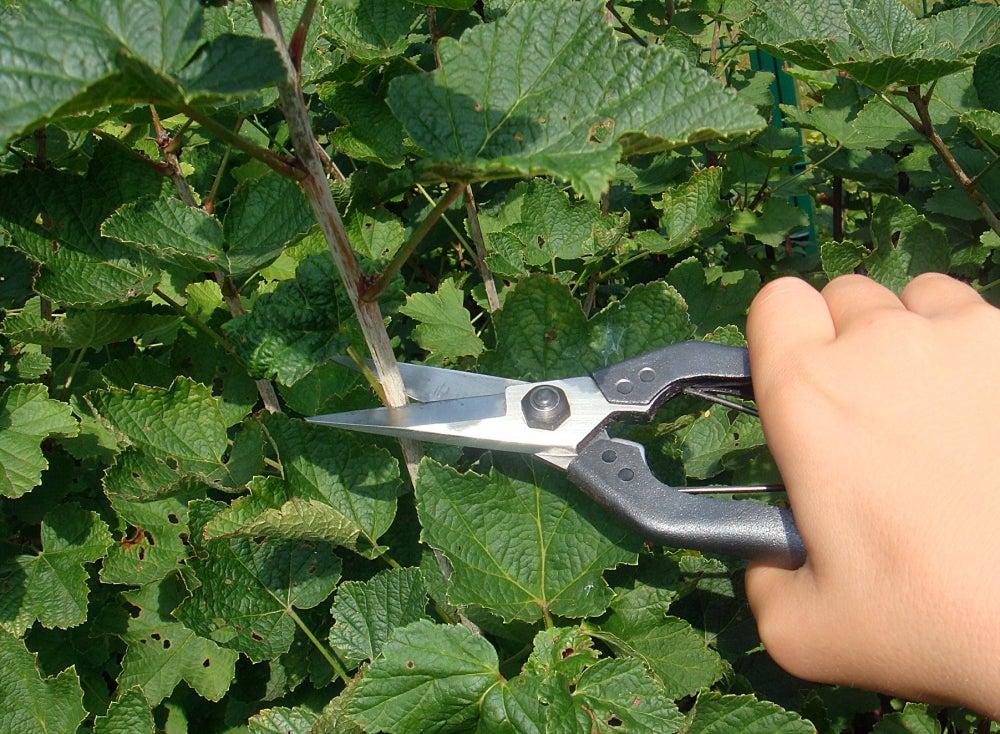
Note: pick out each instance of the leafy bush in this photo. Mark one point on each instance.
(532, 188)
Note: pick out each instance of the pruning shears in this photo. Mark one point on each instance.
(564, 423)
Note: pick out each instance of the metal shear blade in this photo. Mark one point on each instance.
(490, 421)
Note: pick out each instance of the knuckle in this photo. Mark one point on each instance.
(844, 282)
(927, 280)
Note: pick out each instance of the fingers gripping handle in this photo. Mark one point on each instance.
(615, 473)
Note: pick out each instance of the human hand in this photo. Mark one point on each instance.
(883, 415)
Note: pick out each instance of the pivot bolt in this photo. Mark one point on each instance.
(545, 407)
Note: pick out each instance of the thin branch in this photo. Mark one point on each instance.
(317, 191)
(297, 44)
(229, 294)
(914, 122)
(328, 165)
(927, 129)
(668, 11)
(713, 53)
(173, 162)
(989, 167)
(199, 325)
(235, 305)
(403, 254)
(629, 30)
(838, 209)
(472, 211)
(41, 154)
(268, 157)
(209, 204)
(808, 169)
(159, 166)
(177, 140)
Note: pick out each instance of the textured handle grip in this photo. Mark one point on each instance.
(658, 375)
(614, 472)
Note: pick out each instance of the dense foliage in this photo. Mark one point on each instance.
(531, 188)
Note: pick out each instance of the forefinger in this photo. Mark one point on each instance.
(787, 315)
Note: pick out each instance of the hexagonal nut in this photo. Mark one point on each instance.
(545, 407)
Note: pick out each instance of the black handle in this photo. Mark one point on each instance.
(658, 375)
(615, 473)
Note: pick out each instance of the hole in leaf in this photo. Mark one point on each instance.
(257, 637)
(206, 663)
(166, 644)
(566, 652)
(156, 636)
(409, 664)
(172, 463)
(135, 475)
(149, 538)
(142, 553)
(614, 721)
(173, 519)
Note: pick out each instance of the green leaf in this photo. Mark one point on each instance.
(986, 78)
(777, 220)
(170, 230)
(373, 31)
(715, 713)
(271, 510)
(84, 329)
(444, 326)
(612, 696)
(302, 323)
(30, 703)
(54, 218)
(283, 720)
(714, 297)
(163, 652)
(692, 207)
(370, 132)
(344, 473)
(184, 422)
(452, 4)
(803, 32)
(51, 586)
(27, 417)
(429, 678)
(713, 438)
(367, 613)
(248, 591)
(913, 719)
(265, 215)
(231, 66)
(985, 124)
(375, 235)
(879, 43)
(538, 223)
(523, 548)
(542, 332)
(518, 97)
(113, 51)
(905, 245)
(64, 58)
(841, 258)
(638, 626)
(966, 30)
(150, 498)
(129, 714)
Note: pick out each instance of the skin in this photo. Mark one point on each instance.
(881, 412)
